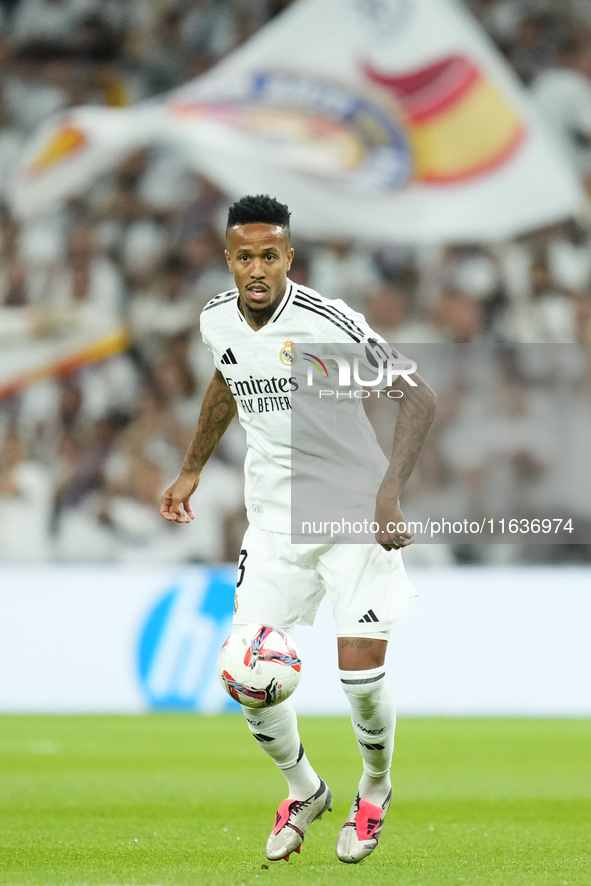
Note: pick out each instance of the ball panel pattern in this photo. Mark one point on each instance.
(259, 666)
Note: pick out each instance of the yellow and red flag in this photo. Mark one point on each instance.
(459, 122)
(36, 359)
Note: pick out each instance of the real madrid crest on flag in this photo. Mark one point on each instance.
(288, 354)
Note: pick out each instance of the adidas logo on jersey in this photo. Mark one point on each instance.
(369, 616)
(228, 357)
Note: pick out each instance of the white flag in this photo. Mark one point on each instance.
(387, 120)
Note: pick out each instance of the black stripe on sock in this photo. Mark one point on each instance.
(371, 747)
(364, 680)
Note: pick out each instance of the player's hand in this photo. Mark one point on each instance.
(388, 513)
(174, 501)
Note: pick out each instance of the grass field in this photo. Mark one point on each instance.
(190, 800)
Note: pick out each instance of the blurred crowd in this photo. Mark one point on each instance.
(85, 455)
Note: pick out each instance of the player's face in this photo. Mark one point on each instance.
(259, 256)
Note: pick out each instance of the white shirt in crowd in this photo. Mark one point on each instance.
(563, 97)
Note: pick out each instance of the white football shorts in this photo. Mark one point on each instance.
(281, 584)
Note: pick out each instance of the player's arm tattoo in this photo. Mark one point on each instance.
(355, 642)
(217, 411)
(415, 416)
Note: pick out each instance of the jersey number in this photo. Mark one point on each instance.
(241, 562)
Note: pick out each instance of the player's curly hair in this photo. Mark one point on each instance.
(262, 209)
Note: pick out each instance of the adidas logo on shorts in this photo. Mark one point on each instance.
(369, 616)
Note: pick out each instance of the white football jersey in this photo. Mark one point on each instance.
(258, 368)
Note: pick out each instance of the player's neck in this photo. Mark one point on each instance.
(258, 318)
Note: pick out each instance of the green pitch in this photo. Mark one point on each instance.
(161, 800)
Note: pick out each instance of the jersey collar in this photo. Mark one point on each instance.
(290, 290)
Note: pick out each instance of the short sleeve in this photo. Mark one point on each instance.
(206, 341)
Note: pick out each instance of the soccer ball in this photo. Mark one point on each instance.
(259, 666)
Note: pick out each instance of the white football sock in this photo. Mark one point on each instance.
(276, 730)
(373, 715)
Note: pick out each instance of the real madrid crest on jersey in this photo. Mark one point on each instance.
(288, 354)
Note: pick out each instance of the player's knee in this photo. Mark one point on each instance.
(364, 688)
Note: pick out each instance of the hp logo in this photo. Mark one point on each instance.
(181, 639)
